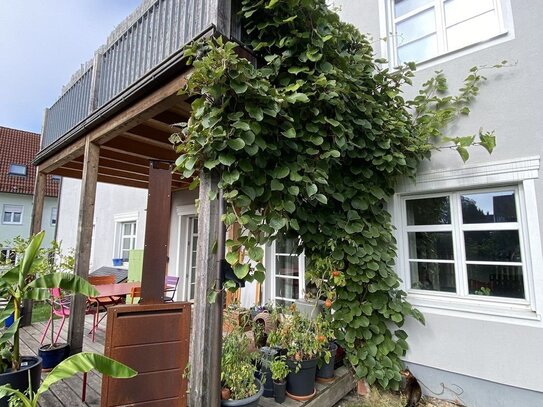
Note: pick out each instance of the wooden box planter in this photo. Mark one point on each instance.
(235, 318)
(154, 340)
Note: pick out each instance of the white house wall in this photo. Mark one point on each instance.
(464, 346)
(9, 232)
(111, 201)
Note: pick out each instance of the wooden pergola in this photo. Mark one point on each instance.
(125, 142)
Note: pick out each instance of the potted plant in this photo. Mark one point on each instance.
(279, 372)
(298, 335)
(27, 280)
(325, 334)
(239, 386)
(54, 352)
(81, 362)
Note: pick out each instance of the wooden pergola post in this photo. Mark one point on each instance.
(206, 333)
(157, 233)
(38, 201)
(84, 242)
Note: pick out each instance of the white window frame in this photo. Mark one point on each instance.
(498, 176)
(120, 220)
(388, 31)
(183, 261)
(12, 209)
(271, 266)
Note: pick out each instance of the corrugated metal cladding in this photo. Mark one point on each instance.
(164, 28)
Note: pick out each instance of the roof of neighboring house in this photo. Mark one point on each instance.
(20, 147)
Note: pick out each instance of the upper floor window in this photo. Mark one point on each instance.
(12, 215)
(423, 29)
(17, 169)
(466, 243)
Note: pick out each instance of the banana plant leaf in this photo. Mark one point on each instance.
(65, 281)
(6, 311)
(78, 363)
(10, 332)
(29, 255)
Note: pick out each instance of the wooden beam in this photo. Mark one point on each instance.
(62, 157)
(150, 133)
(159, 125)
(157, 233)
(35, 227)
(38, 201)
(139, 112)
(144, 140)
(68, 173)
(206, 333)
(108, 179)
(84, 241)
(149, 152)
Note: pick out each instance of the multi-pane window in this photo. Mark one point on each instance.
(17, 169)
(192, 241)
(423, 29)
(466, 243)
(127, 239)
(288, 280)
(12, 215)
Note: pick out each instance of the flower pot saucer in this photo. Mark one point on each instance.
(302, 398)
(326, 380)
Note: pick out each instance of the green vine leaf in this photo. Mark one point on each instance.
(309, 144)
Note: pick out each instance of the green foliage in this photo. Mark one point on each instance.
(279, 369)
(308, 145)
(31, 278)
(79, 363)
(237, 365)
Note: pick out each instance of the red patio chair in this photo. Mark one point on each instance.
(61, 308)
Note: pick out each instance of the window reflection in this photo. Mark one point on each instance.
(429, 211)
(491, 207)
(433, 276)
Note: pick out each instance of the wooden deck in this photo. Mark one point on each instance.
(67, 393)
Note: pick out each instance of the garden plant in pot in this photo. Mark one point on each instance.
(28, 279)
(325, 332)
(303, 343)
(54, 352)
(279, 372)
(79, 363)
(239, 386)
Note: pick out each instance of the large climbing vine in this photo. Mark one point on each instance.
(309, 143)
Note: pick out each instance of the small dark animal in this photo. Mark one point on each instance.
(412, 389)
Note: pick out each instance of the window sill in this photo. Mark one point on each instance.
(474, 308)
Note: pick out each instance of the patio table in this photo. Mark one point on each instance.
(108, 291)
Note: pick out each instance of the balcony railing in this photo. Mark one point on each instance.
(154, 32)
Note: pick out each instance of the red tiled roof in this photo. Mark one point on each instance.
(20, 147)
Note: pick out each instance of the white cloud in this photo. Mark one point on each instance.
(42, 43)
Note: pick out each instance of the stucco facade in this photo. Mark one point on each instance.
(480, 352)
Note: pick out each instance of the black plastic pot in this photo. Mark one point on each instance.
(267, 356)
(280, 391)
(19, 379)
(301, 383)
(326, 371)
(52, 356)
(246, 402)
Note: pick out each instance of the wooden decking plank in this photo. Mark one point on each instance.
(75, 384)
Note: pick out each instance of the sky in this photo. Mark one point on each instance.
(42, 43)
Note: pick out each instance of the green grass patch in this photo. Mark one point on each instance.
(41, 311)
